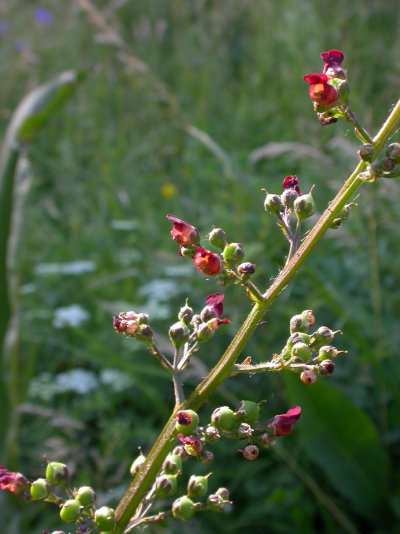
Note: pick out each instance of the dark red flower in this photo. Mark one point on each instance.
(13, 482)
(215, 301)
(184, 418)
(333, 64)
(193, 446)
(207, 262)
(282, 424)
(291, 182)
(320, 91)
(183, 233)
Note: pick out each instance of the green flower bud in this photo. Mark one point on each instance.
(304, 206)
(197, 486)
(185, 314)
(204, 332)
(322, 336)
(273, 203)
(145, 333)
(187, 252)
(288, 197)
(180, 451)
(302, 351)
(217, 238)
(142, 318)
(70, 511)
(211, 434)
(40, 489)
(172, 464)
(187, 421)
(179, 334)
(298, 324)
(233, 252)
(137, 463)
(327, 352)
(104, 518)
(308, 376)
(85, 495)
(366, 152)
(326, 367)
(166, 485)
(183, 508)
(246, 269)
(57, 473)
(224, 418)
(393, 151)
(248, 411)
(298, 337)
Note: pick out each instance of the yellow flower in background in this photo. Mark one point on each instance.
(168, 190)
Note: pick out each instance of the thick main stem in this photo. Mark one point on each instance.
(143, 480)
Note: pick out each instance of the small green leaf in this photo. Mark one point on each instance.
(342, 440)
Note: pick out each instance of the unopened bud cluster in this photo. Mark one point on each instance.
(309, 352)
(388, 167)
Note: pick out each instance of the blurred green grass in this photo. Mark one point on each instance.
(119, 152)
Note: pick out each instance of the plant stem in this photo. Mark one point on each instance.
(163, 444)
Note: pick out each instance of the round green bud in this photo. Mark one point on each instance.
(85, 495)
(187, 421)
(273, 203)
(187, 252)
(204, 332)
(298, 337)
(172, 464)
(248, 411)
(388, 164)
(217, 238)
(137, 463)
(57, 473)
(393, 151)
(197, 486)
(302, 351)
(322, 336)
(366, 152)
(327, 352)
(336, 223)
(304, 206)
(70, 511)
(145, 333)
(183, 508)
(179, 333)
(288, 197)
(224, 418)
(233, 252)
(246, 269)
(166, 485)
(104, 518)
(185, 314)
(40, 489)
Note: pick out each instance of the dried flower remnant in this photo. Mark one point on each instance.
(14, 482)
(207, 262)
(291, 182)
(283, 423)
(320, 91)
(183, 233)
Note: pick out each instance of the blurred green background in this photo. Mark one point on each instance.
(126, 150)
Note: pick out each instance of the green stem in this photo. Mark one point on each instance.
(163, 444)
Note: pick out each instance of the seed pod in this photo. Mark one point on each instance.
(326, 367)
(393, 151)
(197, 486)
(105, 518)
(304, 206)
(137, 463)
(288, 197)
(322, 336)
(217, 238)
(57, 473)
(204, 332)
(224, 418)
(273, 203)
(40, 489)
(172, 464)
(179, 333)
(70, 511)
(327, 352)
(248, 411)
(298, 324)
(183, 508)
(185, 314)
(187, 421)
(246, 269)
(166, 485)
(302, 351)
(85, 495)
(233, 252)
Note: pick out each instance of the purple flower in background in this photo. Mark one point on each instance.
(43, 15)
(3, 27)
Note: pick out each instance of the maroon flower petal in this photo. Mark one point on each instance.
(282, 424)
(332, 57)
(182, 232)
(215, 301)
(315, 78)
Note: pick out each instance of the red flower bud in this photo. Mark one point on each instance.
(183, 233)
(282, 424)
(291, 182)
(207, 262)
(13, 482)
(320, 90)
(333, 64)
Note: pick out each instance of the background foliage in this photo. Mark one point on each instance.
(123, 153)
